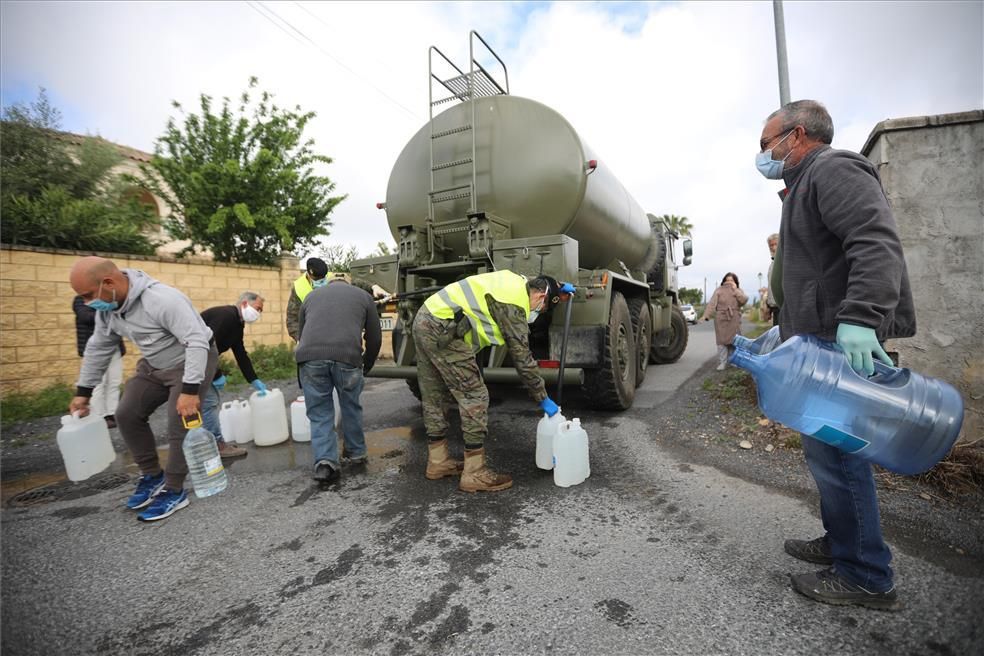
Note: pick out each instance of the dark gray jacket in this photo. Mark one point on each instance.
(331, 324)
(841, 255)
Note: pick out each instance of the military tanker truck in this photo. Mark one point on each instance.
(496, 181)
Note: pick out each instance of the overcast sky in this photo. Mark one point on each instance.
(672, 96)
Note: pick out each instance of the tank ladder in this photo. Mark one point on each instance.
(464, 87)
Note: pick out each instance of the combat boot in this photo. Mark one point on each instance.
(479, 478)
(439, 461)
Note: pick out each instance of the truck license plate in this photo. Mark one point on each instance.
(386, 323)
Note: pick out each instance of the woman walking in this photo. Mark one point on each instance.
(725, 307)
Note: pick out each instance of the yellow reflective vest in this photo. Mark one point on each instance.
(303, 287)
(469, 296)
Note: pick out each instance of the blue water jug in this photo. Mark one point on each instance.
(764, 343)
(899, 419)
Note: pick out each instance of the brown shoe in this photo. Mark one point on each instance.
(479, 478)
(439, 461)
(227, 450)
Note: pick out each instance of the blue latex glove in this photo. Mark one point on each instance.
(219, 382)
(858, 344)
(567, 288)
(260, 387)
(549, 407)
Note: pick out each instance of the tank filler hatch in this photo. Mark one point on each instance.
(478, 82)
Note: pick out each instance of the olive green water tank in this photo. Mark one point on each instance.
(531, 168)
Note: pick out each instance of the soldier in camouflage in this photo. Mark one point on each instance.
(452, 326)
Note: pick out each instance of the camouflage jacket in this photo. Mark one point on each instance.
(512, 324)
(293, 315)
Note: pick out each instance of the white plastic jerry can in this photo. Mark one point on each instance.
(581, 436)
(300, 426)
(545, 431)
(242, 421)
(227, 422)
(570, 455)
(85, 446)
(269, 418)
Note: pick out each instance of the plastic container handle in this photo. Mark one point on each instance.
(195, 421)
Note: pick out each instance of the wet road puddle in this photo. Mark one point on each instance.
(387, 449)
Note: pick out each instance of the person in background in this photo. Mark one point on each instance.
(725, 307)
(332, 323)
(839, 274)
(313, 277)
(451, 327)
(227, 323)
(770, 298)
(106, 395)
(178, 357)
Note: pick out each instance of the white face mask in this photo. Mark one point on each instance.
(250, 313)
(535, 313)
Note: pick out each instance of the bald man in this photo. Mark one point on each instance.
(178, 355)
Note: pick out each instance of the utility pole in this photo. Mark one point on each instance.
(781, 52)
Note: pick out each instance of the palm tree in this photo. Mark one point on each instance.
(678, 224)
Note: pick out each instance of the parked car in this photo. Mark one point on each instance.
(689, 313)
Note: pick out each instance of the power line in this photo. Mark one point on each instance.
(324, 52)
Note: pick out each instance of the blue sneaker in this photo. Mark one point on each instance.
(164, 505)
(147, 488)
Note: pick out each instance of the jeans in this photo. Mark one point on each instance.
(320, 378)
(210, 411)
(849, 511)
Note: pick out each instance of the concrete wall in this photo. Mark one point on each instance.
(932, 169)
(37, 324)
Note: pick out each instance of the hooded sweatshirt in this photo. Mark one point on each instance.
(163, 324)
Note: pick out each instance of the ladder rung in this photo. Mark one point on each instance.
(444, 133)
(447, 189)
(447, 165)
(462, 98)
(443, 199)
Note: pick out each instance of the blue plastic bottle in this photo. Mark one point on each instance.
(764, 343)
(899, 419)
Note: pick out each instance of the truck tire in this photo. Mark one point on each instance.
(678, 340)
(398, 335)
(414, 388)
(642, 326)
(612, 386)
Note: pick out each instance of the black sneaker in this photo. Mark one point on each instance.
(325, 472)
(355, 460)
(830, 588)
(815, 551)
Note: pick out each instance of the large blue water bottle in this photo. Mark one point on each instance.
(764, 343)
(899, 419)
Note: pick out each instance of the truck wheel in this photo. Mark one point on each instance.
(414, 388)
(642, 325)
(612, 386)
(678, 340)
(397, 338)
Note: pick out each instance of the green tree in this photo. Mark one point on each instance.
(339, 257)
(678, 224)
(382, 248)
(58, 195)
(242, 183)
(691, 296)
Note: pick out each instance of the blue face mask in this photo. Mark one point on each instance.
(320, 283)
(100, 305)
(534, 314)
(770, 168)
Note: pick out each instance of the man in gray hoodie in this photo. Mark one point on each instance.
(178, 355)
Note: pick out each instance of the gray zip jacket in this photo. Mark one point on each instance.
(840, 251)
(163, 324)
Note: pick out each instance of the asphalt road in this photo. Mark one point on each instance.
(652, 554)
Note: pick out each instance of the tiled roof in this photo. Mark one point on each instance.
(125, 151)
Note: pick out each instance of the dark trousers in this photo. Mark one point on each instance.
(146, 391)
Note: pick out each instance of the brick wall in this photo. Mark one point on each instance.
(37, 324)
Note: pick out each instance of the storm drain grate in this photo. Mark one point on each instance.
(68, 490)
(108, 481)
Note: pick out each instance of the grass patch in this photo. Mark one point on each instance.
(734, 384)
(270, 362)
(50, 401)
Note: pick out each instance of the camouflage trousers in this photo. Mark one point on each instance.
(447, 372)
